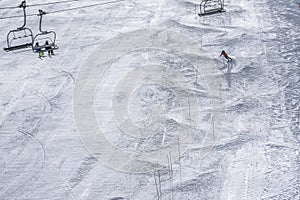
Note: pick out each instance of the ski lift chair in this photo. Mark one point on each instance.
(45, 40)
(208, 7)
(41, 39)
(21, 38)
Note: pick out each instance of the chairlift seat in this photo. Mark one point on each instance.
(15, 38)
(48, 38)
(18, 47)
(213, 11)
(17, 42)
(44, 48)
(42, 37)
(209, 7)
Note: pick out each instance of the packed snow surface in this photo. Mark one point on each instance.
(137, 104)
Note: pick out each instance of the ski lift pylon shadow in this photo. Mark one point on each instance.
(22, 37)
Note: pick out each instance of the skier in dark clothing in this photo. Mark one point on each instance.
(38, 49)
(223, 53)
(49, 49)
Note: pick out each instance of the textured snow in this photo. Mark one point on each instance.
(137, 85)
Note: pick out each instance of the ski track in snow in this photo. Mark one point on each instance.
(255, 157)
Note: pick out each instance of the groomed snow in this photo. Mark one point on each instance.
(137, 104)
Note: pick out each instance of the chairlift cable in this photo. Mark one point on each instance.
(39, 4)
(87, 6)
(65, 10)
(50, 3)
(9, 7)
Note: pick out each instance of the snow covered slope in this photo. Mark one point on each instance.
(137, 104)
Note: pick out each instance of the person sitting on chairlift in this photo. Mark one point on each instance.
(39, 50)
(223, 53)
(49, 49)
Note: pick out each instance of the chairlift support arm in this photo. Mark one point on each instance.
(41, 13)
(23, 5)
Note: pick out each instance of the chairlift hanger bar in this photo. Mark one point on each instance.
(39, 4)
(65, 10)
(41, 13)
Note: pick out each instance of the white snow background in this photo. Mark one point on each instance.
(150, 99)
